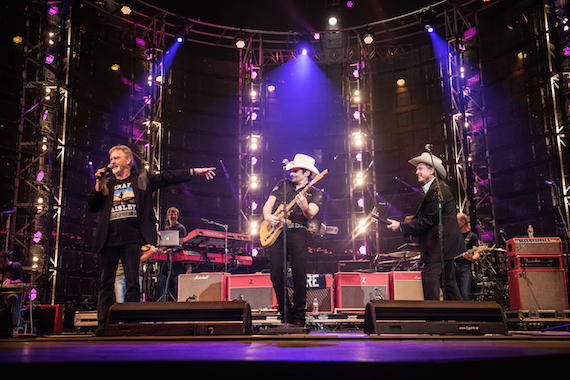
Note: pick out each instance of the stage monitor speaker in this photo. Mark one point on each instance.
(256, 289)
(538, 289)
(434, 317)
(179, 318)
(205, 286)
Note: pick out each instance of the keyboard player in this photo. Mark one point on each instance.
(12, 273)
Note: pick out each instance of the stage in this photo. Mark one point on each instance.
(313, 354)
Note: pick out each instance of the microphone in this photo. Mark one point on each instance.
(429, 147)
(107, 169)
(284, 162)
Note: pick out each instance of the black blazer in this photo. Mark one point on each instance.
(425, 226)
(144, 186)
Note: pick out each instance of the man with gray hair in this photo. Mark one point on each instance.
(127, 220)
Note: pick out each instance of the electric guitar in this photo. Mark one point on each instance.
(268, 233)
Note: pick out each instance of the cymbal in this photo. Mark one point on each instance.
(403, 254)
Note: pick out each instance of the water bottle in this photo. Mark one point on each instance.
(530, 231)
(316, 306)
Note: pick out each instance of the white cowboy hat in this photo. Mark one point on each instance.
(426, 158)
(304, 162)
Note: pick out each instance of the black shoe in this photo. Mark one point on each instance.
(100, 330)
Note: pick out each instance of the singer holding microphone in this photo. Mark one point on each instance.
(127, 221)
(425, 225)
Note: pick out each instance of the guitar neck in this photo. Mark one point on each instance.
(315, 180)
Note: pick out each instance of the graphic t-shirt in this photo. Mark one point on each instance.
(123, 222)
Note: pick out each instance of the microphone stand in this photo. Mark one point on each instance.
(440, 225)
(285, 292)
(225, 227)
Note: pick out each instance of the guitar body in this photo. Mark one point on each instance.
(268, 233)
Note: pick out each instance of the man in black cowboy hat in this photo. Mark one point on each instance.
(307, 206)
(425, 225)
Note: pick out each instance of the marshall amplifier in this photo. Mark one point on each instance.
(205, 286)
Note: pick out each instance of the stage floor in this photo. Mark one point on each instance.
(306, 355)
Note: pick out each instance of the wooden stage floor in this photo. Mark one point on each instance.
(310, 355)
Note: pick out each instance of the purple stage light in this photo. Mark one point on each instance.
(566, 51)
(49, 59)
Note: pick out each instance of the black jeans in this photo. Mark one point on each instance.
(297, 251)
(130, 256)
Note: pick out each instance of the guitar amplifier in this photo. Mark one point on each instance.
(354, 290)
(256, 289)
(206, 286)
(406, 285)
(539, 246)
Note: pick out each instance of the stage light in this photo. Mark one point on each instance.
(253, 205)
(429, 20)
(360, 202)
(333, 21)
(401, 82)
(239, 40)
(359, 178)
(253, 227)
(53, 10)
(49, 59)
(126, 10)
(368, 36)
(181, 33)
(316, 36)
(254, 252)
(362, 250)
(271, 88)
(566, 51)
(254, 160)
(304, 44)
(253, 94)
(40, 176)
(36, 239)
(254, 116)
(362, 226)
(17, 40)
(356, 115)
(115, 67)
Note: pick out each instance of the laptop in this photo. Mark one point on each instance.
(168, 238)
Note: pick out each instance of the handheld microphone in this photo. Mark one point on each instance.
(429, 147)
(107, 169)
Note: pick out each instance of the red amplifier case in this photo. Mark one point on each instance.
(353, 290)
(255, 288)
(406, 285)
(538, 289)
(534, 246)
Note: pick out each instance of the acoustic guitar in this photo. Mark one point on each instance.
(268, 233)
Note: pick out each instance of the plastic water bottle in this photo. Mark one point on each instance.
(530, 231)
(316, 306)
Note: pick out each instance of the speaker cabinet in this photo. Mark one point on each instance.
(434, 317)
(406, 285)
(256, 289)
(179, 318)
(355, 290)
(206, 286)
(538, 289)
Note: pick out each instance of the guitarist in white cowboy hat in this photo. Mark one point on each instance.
(306, 206)
(425, 225)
